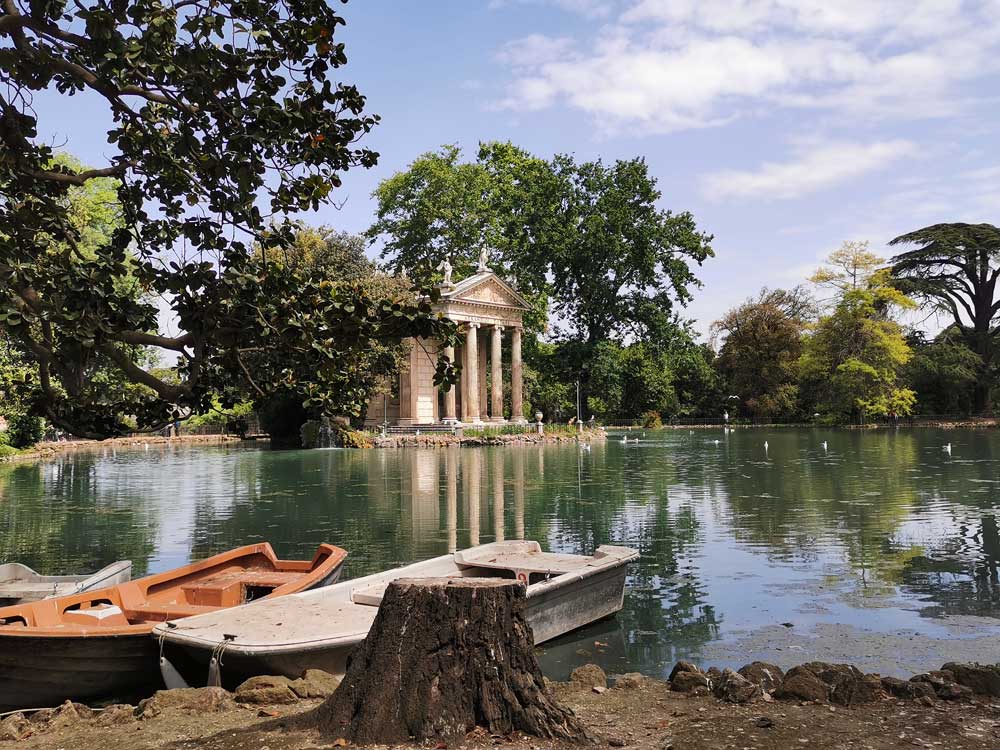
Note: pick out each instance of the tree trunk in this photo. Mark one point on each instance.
(444, 656)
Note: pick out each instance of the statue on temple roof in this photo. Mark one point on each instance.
(445, 266)
(484, 254)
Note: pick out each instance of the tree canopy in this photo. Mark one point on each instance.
(955, 268)
(224, 118)
(762, 340)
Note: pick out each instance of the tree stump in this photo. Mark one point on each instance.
(444, 656)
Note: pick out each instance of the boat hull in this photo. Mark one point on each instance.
(42, 672)
(551, 611)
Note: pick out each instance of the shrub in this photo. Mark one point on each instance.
(24, 430)
(652, 419)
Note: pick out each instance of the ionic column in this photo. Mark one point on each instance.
(496, 387)
(516, 378)
(450, 417)
(470, 378)
(484, 391)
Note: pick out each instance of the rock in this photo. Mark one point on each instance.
(937, 678)
(687, 682)
(855, 689)
(67, 715)
(15, 728)
(266, 690)
(599, 690)
(768, 676)
(589, 676)
(115, 715)
(630, 681)
(981, 678)
(616, 742)
(683, 666)
(802, 684)
(314, 683)
(714, 674)
(201, 700)
(907, 689)
(763, 722)
(733, 687)
(954, 692)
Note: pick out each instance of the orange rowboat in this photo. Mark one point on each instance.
(97, 644)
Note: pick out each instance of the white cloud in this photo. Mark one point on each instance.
(668, 65)
(819, 166)
(586, 8)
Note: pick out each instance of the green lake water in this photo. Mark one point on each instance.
(882, 546)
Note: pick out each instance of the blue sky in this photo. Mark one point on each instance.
(785, 126)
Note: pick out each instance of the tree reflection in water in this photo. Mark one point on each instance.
(881, 527)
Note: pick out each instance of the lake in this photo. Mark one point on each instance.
(877, 547)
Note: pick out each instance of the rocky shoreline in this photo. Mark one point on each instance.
(48, 450)
(758, 706)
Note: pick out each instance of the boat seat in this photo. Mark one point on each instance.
(230, 589)
(539, 563)
(160, 611)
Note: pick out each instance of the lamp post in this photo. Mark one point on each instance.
(579, 415)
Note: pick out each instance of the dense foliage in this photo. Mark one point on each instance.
(225, 117)
(589, 245)
(955, 268)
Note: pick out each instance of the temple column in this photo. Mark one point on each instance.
(450, 415)
(484, 394)
(496, 386)
(408, 390)
(470, 378)
(516, 378)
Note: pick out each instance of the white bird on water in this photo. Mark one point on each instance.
(716, 442)
(765, 448)
(824, 446)
(947, 449)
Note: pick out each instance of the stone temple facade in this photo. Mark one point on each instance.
(489, 312)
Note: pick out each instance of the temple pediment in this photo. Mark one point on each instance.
(485, 289)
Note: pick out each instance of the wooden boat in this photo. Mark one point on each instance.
(20, 584)
(97, 644)
(318, 629)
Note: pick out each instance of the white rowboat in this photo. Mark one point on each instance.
(19, 584)
(318, 629)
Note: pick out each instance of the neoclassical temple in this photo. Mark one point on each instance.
(489, 312)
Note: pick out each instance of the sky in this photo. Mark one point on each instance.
(785, 126)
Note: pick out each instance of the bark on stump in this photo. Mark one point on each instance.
(443, 657)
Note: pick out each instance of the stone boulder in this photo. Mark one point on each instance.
(980, 678)
(199, 700)
(907, 689)
(768, 676)
(802, 684)
(733, 687)
(683, 666)
(588, 676)
(954, 692)
(266, 691)
(936, 678)
(67, 715)
(690, 682)
(115, 715)
(15, 728)
(630, 681)
(314, 683)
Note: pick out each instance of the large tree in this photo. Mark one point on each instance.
(852, 363)
(762, 341)
(223, 118)
(955, 268)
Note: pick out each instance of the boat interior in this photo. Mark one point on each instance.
(226, 580)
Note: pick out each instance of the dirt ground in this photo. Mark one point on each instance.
(648, 717)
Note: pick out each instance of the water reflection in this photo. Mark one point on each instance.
(881, 529)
